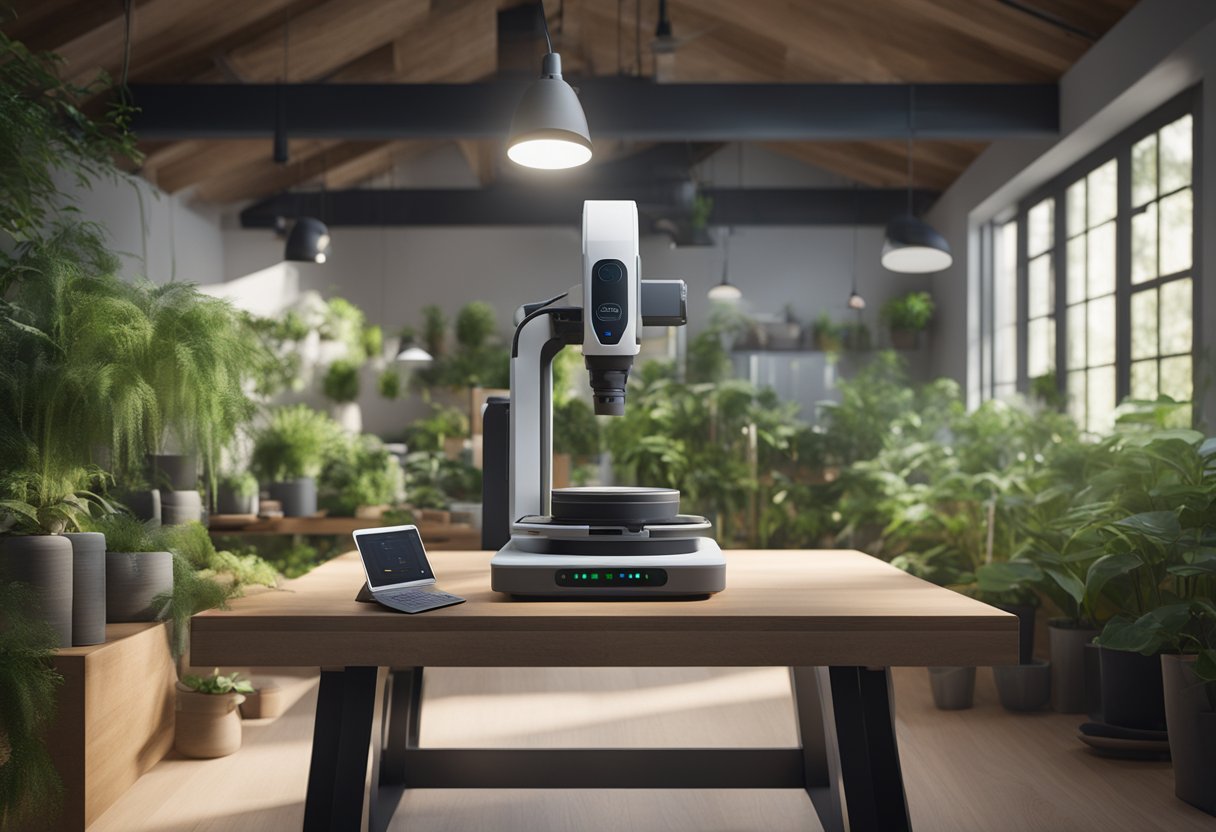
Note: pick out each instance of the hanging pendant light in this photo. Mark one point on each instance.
(549, 130)
(725, 291)
(308, 241)
(856, 301)
(912, 246)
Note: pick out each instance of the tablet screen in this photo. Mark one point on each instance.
(394, 557)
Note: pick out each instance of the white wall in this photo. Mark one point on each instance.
(1159, 49)
(392, 273)
(159, 236)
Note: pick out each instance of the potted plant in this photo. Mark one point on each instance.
(208, 724)
(341, 386)
(139, 567)
(237, 493)
(30, 788)
(907, 316)
(289, 452)
(360, 475)
(388, 384)
(826, 334)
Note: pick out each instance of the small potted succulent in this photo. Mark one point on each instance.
(208, 722)
(826, 334)
(907, 316)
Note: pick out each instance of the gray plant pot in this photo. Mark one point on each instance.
(173, 472)
(953, 687)
(1068, 666)
(1023, 687)
(145, 505)
(298, 497)
(1093, 682)
(228, 501)
(44, 563)
(133, 579)
(88, 588)
(1132, 696)
(178, 507)
(1192, 732)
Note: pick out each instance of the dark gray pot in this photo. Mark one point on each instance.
(173, 472)
(1068, 666)
(1023, 687)
(178, 507)
(133, 579)
(1192, 732)
(145, 505)
(88, 588)
(953, 687)
(228, 501)
(1093, 682)
(1132, 696)
(298, 497)
(44, 563)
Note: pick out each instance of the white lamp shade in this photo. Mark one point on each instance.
(414, 355)
(725, 292)
(549, 130)
(912, 246)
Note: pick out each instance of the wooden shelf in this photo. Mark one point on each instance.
(436, 536)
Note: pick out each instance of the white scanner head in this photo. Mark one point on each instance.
(611, 299)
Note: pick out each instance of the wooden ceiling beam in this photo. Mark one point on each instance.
(456, 42)
(359, 169)
(326, 38)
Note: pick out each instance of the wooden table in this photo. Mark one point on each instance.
(838, 619)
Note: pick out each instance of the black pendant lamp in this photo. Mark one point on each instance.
(912, 246)
(308, 241)
(725, 292)
(549, 130)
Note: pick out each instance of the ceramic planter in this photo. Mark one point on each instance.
(266, 702)
(953, 687)
(1192, 732)
(133, 579)
(173, 472)
(1068, 666)
(350, 416)
(145, 505)
(1023, 687)
(208, 724)
(44, 562)
(88, 587)
(1093, 682)
(228, 501)
(1132, 695)
(297, 497)
(179, 507)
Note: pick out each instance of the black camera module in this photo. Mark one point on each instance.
(609, 271)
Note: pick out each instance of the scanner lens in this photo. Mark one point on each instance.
(609, 271)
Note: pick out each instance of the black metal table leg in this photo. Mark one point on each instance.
(403, 720)
(346, 704)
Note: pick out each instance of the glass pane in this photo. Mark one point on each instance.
(1176, 317)
(1100, 329)
(1076, 337)
(1006, 358)
(1100, 403)
(1176, 155)
(1040, 347)
(1076, 207)
(1076, 396)
(1144, 324)
(1005, 300)
(1102, 200)
(1144, 170)
(1076, 269)
(1040, 222)
(1176, 378)
(1144, 244)
(1102, 260)
(1144, 379)
(1176, 213)
(1040, 299)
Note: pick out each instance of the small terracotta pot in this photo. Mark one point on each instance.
(208, 724)
(266, 702)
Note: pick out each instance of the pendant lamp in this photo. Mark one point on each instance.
(549, 130)
(308, 241)
(912, 246)
(856, 301)
(725, 291)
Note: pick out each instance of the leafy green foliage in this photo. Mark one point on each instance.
(434, 330)
(125, 533)
(363, 473)
(29, 784)
(388, 384)
(575, 429)
(432, 480)
(475, 324)
(476, 362)
(827, 333)
(341, 381)
(373, 342)
(294, 443)
(217, 685)
(243, 484)
(429, 434)
(345, 323)
(911, 312)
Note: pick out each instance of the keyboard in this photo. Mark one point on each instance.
(417, 599)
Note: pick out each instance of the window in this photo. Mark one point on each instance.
(1098, 289)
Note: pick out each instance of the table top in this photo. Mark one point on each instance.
(780, 607)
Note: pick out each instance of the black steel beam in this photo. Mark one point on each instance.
(517, 205)
(616, 109)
